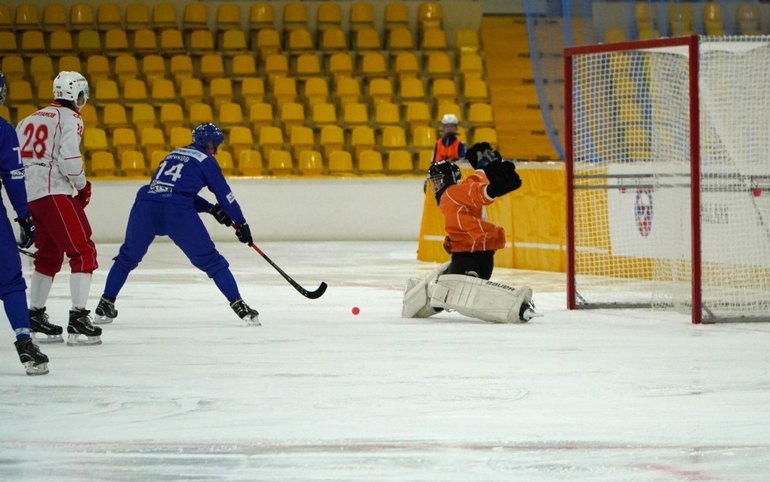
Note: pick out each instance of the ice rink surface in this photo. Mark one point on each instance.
(182, 390)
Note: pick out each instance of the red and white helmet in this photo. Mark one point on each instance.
(71, 86)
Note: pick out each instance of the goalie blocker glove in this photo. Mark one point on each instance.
(503, 178)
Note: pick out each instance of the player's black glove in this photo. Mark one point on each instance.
(27, 234)
(220, 216)
(481, 154)
(243, 232)
(503, 178)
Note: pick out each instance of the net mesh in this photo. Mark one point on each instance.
(632, 166)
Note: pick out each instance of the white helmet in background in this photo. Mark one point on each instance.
(449, 119)
(71, 86)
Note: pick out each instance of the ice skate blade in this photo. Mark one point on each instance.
(252, 321)
(73, 339)
(43, 338)
(528, 315)
(102, 320)
(34, 370)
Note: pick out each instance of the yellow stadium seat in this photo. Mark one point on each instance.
(713, 19)
(406, 65)
(126, 68)
(418, 114)
(471, 66)
(8, 43)
(268, 42)
(424, 160)
(200, 113)
(449, 108)
(434, 39)
(645, 16)
(387, 114)
(328, 16)
(225, 161)
(191, 92)
(221, 91)
(680, 19)
(333, 39)
(300, 40)
(307, 65)
(429, 15)
(252, 91)
(123, 139)
(88, 113)
(212, 66)
(105, 91)
(370, 163)
(43, 93)
(340, 65)
(367, 38)
(261, 16)
(230, 115)
(284, 90)
(228, 17)
(340, 163)
(443, 90)
(279, 163)
(70, 62)
(393, 137)
(114, 117)
(294, 16)
(156, 157)
(467, 41)
(411, 90)
(201, 42)
(355, 114)
(485, 134)
(143, 116)
(400, 162)
(240, 139)
(89, 42)
(13, 67)
(396, 15)
(6, 17)
(153, 68)
(98, 69)
(32, 43)
(361, 16)
(476, 90)
(180, 137)
(116, 42)
(233, 42)
(380, 90)
(81, 16)
(108, 16)
(60, 43)
(102, 164)
(332, 139)
(400, 39)
(292, 114)
(243, 66)
(250, 163)
(135, 92)
(163, 92)
(27, 17)
(316, 90)
(310, 163)
(164, 16)
(171, 42)
(195, 17)
(152, 139)
(362, 139)
(323, 113)
(480, 115)
(181, 67)
(132, 163)
(373, 65)
(276, 65)
(260, 115)
(348, 89)
(22, 111)
(54, 17)
(40, 68)
(423, 137)
(439, 64)
(171, 117)
(613, 35)
(748, 19)
(137, 16)
(145, 41)
(20, 92)
(270, 139)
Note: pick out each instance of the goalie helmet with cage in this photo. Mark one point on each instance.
(206, 135)
(72, 87)
(441, 175)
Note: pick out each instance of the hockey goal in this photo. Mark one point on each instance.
(668, 176)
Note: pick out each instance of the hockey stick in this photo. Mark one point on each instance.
(307, 294)
(27, 253)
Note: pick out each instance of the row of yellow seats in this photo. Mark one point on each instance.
(196, 16)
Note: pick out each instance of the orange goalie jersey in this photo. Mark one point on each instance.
(462, 206)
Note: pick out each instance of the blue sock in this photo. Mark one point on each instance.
(226, 284)
(15, 304)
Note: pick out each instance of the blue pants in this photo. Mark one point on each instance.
(12, 285)
(183, 225)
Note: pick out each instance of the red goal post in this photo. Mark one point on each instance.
(668, 176)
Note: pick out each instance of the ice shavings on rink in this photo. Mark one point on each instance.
(181, 389)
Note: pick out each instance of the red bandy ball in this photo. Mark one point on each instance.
(355, 310)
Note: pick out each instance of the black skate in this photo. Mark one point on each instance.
(35, 362)
(45, 331)
(244, 312)
(80, 325)
(105, 311)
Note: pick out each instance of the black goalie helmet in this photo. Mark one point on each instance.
(441, 175)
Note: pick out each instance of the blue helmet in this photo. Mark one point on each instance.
(3, 88)
(205, 134)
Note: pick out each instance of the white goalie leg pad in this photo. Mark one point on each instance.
(417, 295)
(478, 298)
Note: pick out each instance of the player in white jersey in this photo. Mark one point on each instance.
(58, 193)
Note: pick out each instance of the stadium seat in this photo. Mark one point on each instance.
(132, 163)
(114, 117)
(276, 65)
(362, 139)
(20, 92)
(171, 42)
(292, 114)
(480, 115)
(195, 17)
(332, 139)
(328, 16)
(200, 42)
(8, 44)
(299, 40)
(81, 16)
(396, 16)
(645, 16)
(88, 114)
(26, 17)
(212, 66)
(373, 65)
(367, 38)
(400, 39)
(261, 16)
(54, 17)
(748, 19)
(220, 91)
(429, 15)
(270, 139)
(243, 66)
(443, 90)
(240, 139)
(400, 162)
(475, 90)
(233, 43)
(340, 65)
(230, 116)
(180, 137)
(153, 67)
(680, 19)
(191, 92)
(163, 92)
(307, 66)
(43, 92)
(393, 137)
(355, 114)
(6, 17)
(89, 43)
(411, 90)
(70, 62)
(260, 115)
(22, 111)
(418, 114)
(387, 114)
(252, 91)
(333, 39)
(439, 64)
(143, 116)
(294, 16)
(14, 69)
(145, 41)
(280, 163)
(225, 161)
(340, 163)
(105, 91)
(171, 117)
(250, 163)
(116, 42)
(310, 163)
(323, 113)
(614, 35)
(434, 39)
(123, 139)
(380, 90)
(137, 16)
(60, 43)
(361, 16)
(485, 134)
(200, 113)
(467, 41)
(156, 157)
(102, 164)
(228, 17)
(284, 90)
(347, 89)
(370, 163)
(181, 68)
(268, 42)
(423, 138)
(316, 90)
(126, 68)
(97, 69)
(424, 160)
(40, 68)
(406, 65)
(152, 139)
(108, 16)
(449, 108)
(713, 19)
(135, 92)
(32, 43)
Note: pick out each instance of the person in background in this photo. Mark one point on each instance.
(58, 193)
(12, 285)
(449, 147)
(169, 206)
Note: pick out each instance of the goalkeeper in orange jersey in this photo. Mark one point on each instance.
(471, 241)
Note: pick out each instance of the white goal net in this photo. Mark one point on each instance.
(668, 176)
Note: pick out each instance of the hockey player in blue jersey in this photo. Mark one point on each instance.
(12, 285)
(169, 206)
